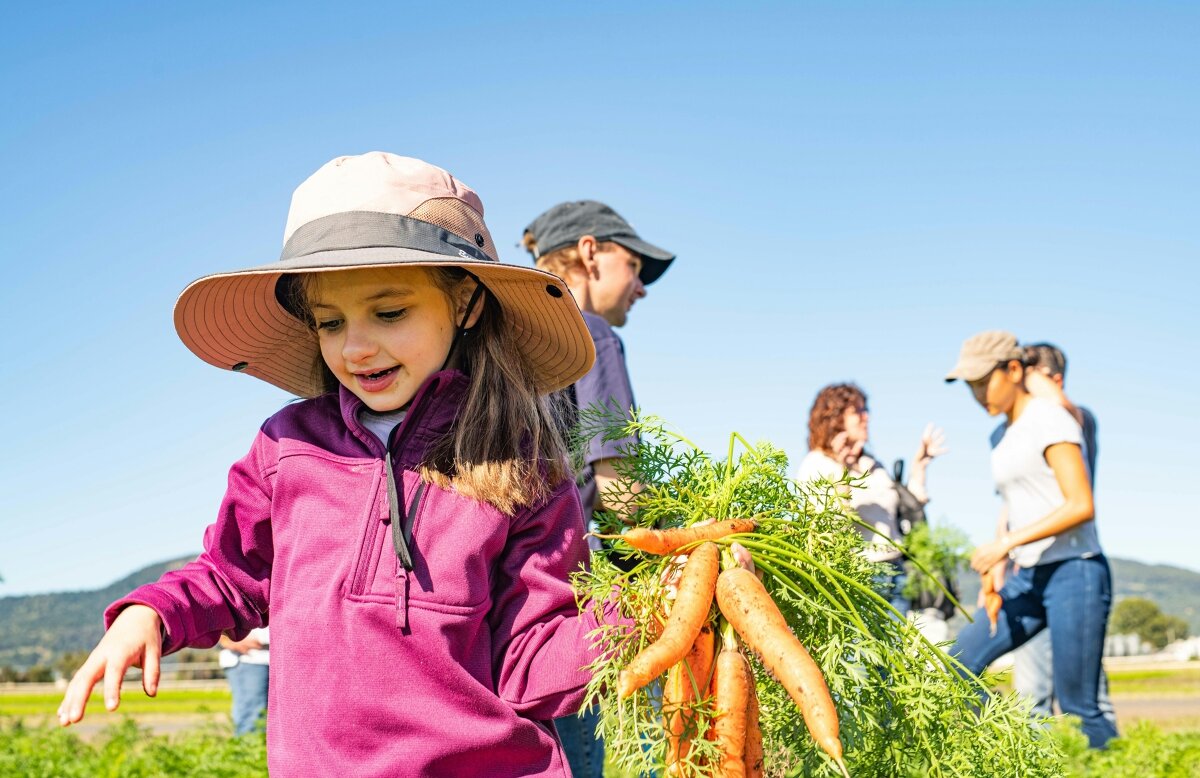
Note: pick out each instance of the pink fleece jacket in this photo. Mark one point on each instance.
(454, 668)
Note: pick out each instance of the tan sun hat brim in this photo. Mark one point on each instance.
(235, 321)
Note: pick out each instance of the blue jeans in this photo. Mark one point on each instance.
(1033, 677)
(248, 684)
(584, 750)
(1071, 598)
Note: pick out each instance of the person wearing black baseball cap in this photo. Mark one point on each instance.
(607, 267)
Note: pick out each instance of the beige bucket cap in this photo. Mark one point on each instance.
(981, 354)
(376, 210)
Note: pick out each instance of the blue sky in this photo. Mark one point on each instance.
(852, 189)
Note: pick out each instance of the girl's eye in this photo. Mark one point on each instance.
(329, 325)
(392, 315)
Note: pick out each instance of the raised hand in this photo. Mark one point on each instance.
(933, 444)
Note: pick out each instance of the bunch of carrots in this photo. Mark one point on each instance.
(703, 656)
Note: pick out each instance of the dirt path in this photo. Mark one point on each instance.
(1169, 713)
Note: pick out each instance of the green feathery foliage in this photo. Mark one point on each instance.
(904, 707)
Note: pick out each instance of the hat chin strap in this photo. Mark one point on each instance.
(461, 333)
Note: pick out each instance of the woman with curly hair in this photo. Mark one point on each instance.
(837, 436)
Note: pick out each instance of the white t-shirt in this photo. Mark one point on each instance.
(1028, 486)
(875, 503)
(381, 424)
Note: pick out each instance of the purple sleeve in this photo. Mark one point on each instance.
(540, 639)
(607, 386)
(227, 588)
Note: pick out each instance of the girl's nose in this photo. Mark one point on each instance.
(359, 345)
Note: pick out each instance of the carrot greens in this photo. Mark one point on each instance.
(904, 708)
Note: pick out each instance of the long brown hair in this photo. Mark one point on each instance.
(505, 448)
(828, 414)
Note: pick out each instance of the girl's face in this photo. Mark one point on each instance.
(382, 331)
(998, 392)
(615, 285)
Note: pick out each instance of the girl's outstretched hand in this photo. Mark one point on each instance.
(133, 640)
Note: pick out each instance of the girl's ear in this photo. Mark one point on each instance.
(1016, 371)
(466, 290)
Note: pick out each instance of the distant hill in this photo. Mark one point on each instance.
(1176, 590)
(35, 629)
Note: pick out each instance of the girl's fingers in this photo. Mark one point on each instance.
(79, 690)
(114, 674)
(150, 667)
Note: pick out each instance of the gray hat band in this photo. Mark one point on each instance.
(372, 229)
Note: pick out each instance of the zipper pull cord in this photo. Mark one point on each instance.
(399, 542)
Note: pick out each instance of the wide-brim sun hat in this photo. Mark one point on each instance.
(376, 210)
(982, 353)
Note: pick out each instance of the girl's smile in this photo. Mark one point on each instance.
(377, 381)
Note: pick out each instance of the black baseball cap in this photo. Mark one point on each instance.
(564, 224)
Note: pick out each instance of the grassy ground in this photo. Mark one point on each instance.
(1168, 698)
(134, 702)
(1176, 682)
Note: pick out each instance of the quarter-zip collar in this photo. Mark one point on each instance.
(430, 415)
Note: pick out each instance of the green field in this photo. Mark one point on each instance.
(134, 702)
(1167, 683)
(186, 732)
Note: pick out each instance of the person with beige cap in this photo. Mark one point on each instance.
(1062, 581)
(410, 526)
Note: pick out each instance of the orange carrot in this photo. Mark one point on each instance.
(754, 744)
(686, 683)
(668, 541)
(745, 603)
(732, 698)
(688, 615)
(992, 601)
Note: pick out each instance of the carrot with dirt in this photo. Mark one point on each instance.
(732, 699)
(686, 684)
(747, 605)
(688, 615)
(754, 742)
(669, 541)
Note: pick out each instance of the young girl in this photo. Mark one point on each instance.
(1062, 582)
(410, 528)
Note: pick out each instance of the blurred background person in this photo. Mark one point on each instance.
(246, 664)
(838, 431)
(1062, 581)
(1033, 674)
